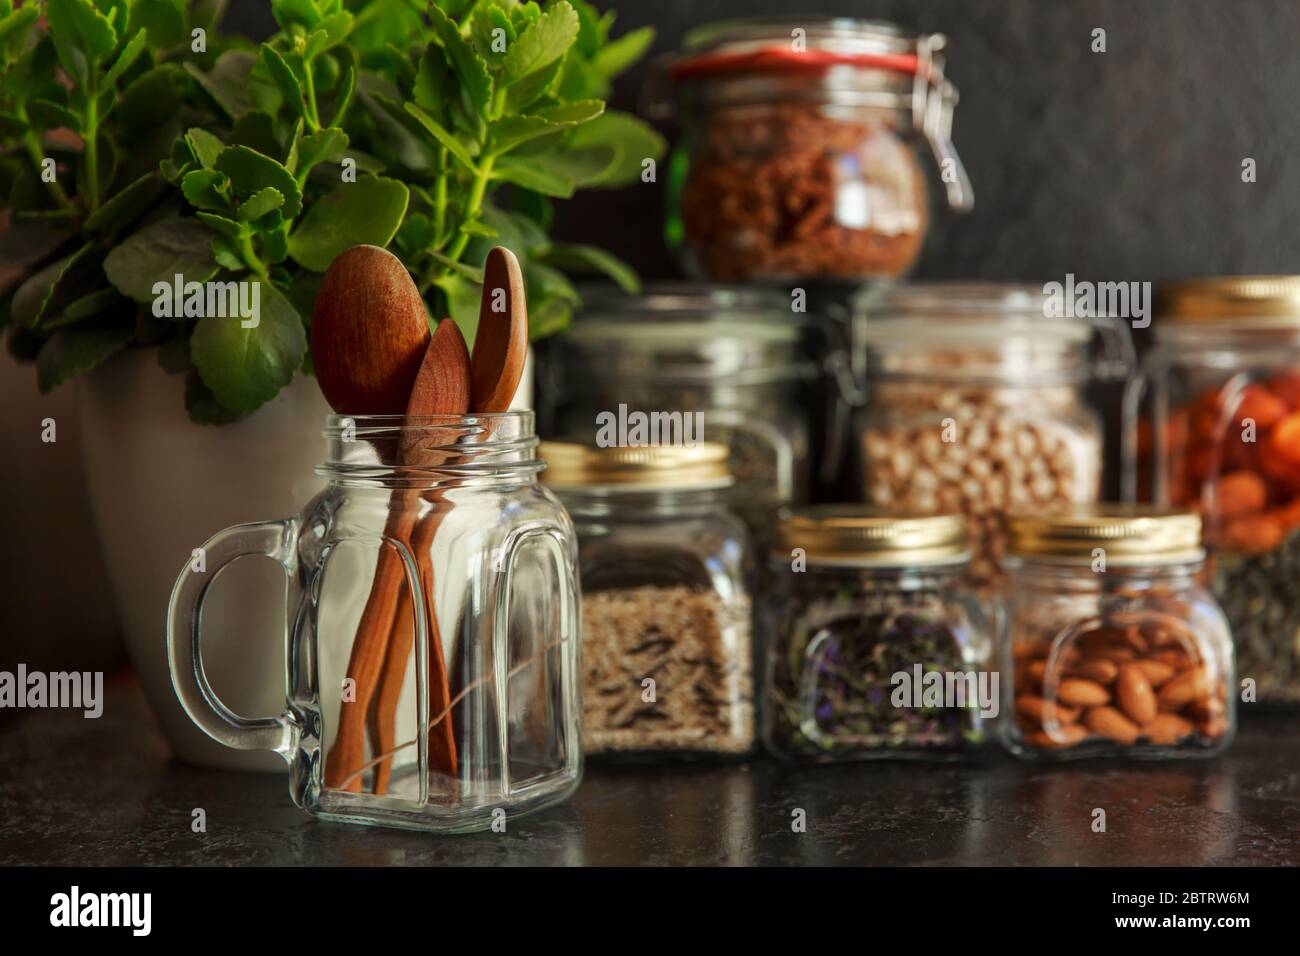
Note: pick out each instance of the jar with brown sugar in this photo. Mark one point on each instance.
(801, 151)
(976, 405)
(1112, 645)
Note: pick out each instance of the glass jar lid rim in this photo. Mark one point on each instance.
(867, 535)
(572, 464)
(1125, 534)
(1234, 301)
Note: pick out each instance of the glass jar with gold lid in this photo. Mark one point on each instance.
(666, 617)
(1214, 424)
(873, 648)
(1112, 645)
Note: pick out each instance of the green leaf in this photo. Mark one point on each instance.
(477, 228)
(164, 20)
(485, 22)
(475, 79)
(127, 205)
(452, 144)
(256, 130)
(89, 306)
(250, 171)
(524, 93)
(337, 26)
(82, 35)
(462, 301)
(541, 44)
(533, 176)
(344, 97)
(289, 13)
(323, 146)
(227, 253)
(514, 129)
(202, 405)
(584, 258)
(157, 253)
(231, 228)
(75, 351)
(246, 367)
(47, 115)
(632, 140)
(284, 79)
(435, 82)
(551, 318)
(15, 27)
(228, 81)
(24, 244)
(133, 48)
(617, 55)
(206, 146)
(150, 99)
(260, 203)
(206, 189)
(59, 283)
(368, 211)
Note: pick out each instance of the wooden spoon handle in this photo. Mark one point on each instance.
(366, 662)
(383, 717)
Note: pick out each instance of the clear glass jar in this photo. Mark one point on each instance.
(1113, 647)
(800, 150)
(433, 645)
(975, 404)
(735, 357)
(666, 610)
(1214, 425)
(873, 649)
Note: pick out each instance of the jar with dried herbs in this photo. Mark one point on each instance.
(801, 159)
(1114, 647)
(1216, 427)
(666, 618)
(873, 649)
(976, 405)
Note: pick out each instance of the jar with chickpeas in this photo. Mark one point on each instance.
(976, 405)
(1112, 646)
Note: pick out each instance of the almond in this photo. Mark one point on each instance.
(1097, 669)
(1134, 693)
(1157, 672)
(1109, 722)
(1166, 729)
(1067, 735)
(1081, 693)
(1044, 712)
(1213, 727)
(1189, 686)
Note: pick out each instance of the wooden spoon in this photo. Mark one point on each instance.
(441, 388)
(500, 351)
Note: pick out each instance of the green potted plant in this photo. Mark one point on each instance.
(148, 158)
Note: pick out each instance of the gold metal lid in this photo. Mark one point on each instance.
(650, 467)
(1127, 534)
(1248, 300)
(856, 534)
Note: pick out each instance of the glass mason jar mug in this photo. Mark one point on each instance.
(1214, 425)
(873, 648)
(975, 405)
(432, 647)
(1113, 647)
(666, 612)
(800, 158)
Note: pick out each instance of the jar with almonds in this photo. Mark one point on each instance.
(976, 405)
(873, 648)
(1113, 646)
(1215, 426)
(802, 152)
(667, 656)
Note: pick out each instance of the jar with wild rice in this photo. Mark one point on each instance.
(1114, 647)
(873, 648)
(1216, 427)
(667, 652)
(976, 405)
(735, 362)
(801, 149)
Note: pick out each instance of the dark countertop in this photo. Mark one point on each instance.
(89, 792)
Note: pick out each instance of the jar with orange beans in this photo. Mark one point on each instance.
(1215, 427)
(1112, 646)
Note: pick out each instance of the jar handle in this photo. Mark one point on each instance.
(570, 631)
(272, 539)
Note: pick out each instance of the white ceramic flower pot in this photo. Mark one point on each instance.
(160, 486)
